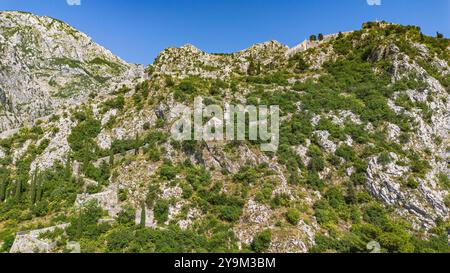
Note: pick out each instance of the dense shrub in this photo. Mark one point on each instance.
(293, 216)
(261, 242)
(161, 211)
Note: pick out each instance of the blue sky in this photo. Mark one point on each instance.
(137, 30)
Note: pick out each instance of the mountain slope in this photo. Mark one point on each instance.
(363, 155)
(45, 62)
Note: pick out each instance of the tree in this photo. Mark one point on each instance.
(18, 191)
(313, 38)
(321, 37)
(4, 181)
(136, 144)
(230, 213)
(68, 168)
(111, 158)
(79, 228)
(2, 190)
(439, 35)
(33, 188)
(118, 240)
(39, 188)
(142, 224)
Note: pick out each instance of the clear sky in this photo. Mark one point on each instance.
(137, 30)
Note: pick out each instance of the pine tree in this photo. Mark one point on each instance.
(142, 224)
(439, 35)
(313, 38)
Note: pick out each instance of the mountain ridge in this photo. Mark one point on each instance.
(363, 153)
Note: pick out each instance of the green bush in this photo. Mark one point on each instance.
(247, 175)
(161, 211)
(118, 240)
(384, 159)
(376, 215)
(324, 213)
(167, 171)
(230, 213)
(346, 152)
(265, 194)
(261, 242)
(115, 103)
(84, 224)
(313, 181)
(444, 181)
(281, 200)
(127, 216)
(412, 183)
(447, 200)
(293, 216)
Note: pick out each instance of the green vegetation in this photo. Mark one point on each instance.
(293, 216)
(210, 187)
(261, 242)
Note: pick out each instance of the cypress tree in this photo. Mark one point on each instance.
(2, 190)
(4, 177)
(68, 168)
(33, 188)
(136, 144)
(79, 231)
(18, 191)
(39, 188)
(111, 158)
(142, 224)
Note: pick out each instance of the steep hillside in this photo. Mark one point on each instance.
(363, 155)
(45, 63)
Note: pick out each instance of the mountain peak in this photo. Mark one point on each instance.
(65, 64)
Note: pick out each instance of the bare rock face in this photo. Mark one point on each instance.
(45, 63)
(324, 142)
(423, 205)
(191, 61)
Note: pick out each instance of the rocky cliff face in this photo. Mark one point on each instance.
(46, 63)
(363, 150)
